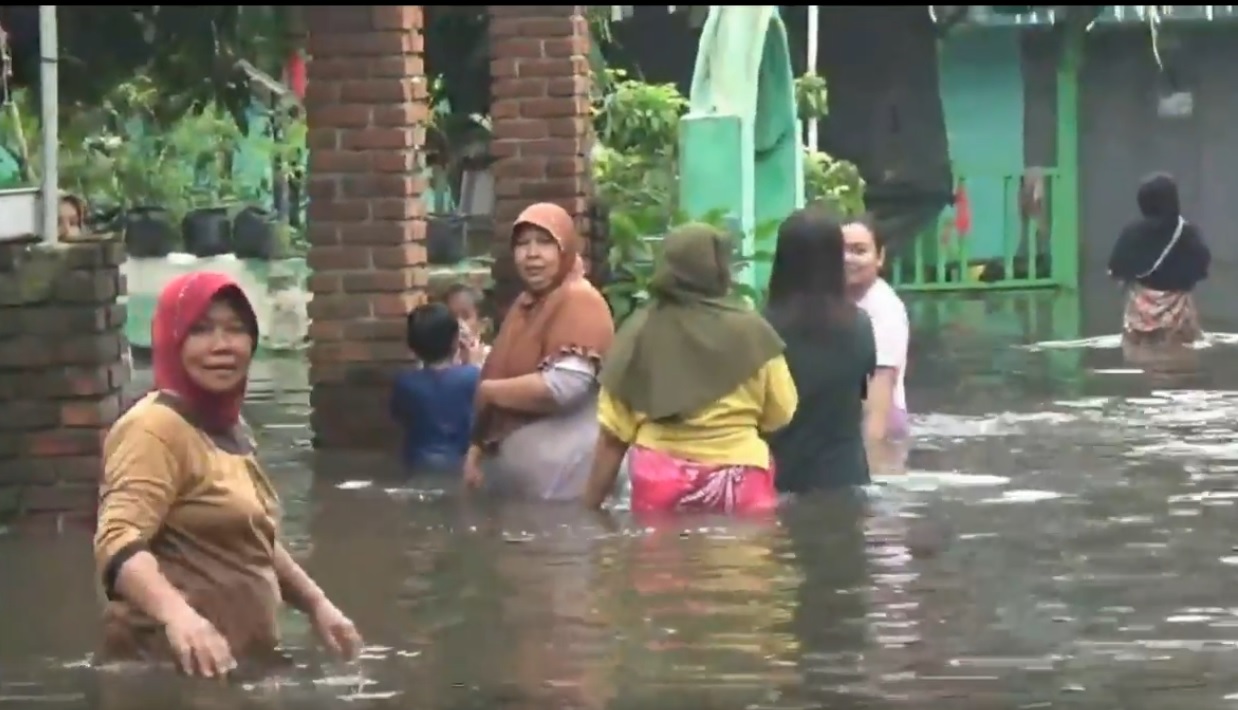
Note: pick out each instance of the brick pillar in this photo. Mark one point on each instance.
(542, 134)
(366, 109)
(61, 374)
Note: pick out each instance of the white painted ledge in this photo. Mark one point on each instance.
(19, 213)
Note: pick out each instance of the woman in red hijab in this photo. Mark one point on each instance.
(187, 543)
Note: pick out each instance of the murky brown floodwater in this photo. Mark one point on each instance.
(1064, 540)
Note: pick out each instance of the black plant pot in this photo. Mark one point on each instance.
(445, 240)
(253, 234)
(207, 232)
(107, 220)
(148, 232)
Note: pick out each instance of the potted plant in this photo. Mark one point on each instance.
(147, 178)
(455, 143)
(262, 233)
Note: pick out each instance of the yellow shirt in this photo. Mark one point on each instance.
(726, 432)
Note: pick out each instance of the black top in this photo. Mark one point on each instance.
(1143, 241)
(823, 446)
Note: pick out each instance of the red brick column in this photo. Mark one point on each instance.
(542, 133)
(61, 375)
(366, 109)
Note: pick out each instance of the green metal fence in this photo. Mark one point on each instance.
(1033, 250)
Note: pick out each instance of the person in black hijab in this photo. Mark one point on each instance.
(1160, 258)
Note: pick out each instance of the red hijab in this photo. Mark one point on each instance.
(181, 304)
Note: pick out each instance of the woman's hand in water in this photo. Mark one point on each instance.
(336, 631)
(473, 477)
(200, 649)
(884, 458)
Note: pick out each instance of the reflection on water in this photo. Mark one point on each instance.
(1109, 342)
(1063, 540)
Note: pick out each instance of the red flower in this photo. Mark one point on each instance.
(962, 211)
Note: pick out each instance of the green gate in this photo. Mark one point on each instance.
(1037, 248)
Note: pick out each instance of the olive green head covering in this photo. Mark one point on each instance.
(692, 344)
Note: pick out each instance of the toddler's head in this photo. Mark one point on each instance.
(462, 302)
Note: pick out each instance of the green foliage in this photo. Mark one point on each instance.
(811, 97)
(636, 117)
(636, 238)
(453, 140)
(834, 183)
(115, 157)
(457, 55)
(636, 174)
(190, 52)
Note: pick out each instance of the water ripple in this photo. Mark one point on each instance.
(1073, 550)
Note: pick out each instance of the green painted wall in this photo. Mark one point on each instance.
(740, 150)
(982, 95)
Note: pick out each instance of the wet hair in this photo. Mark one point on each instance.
(433, 333)
(807, 286)
(869, 221)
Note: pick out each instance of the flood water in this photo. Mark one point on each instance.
(1063, 539)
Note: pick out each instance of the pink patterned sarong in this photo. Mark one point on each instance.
(665, 483)
(1156, 317)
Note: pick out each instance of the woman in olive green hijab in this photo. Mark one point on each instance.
(691, 382)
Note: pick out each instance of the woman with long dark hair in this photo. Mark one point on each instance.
(831, 353)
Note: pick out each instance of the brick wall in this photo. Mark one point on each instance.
(366, 109)
(542, 134)
(61, 374)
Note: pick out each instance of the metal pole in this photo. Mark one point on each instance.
(49, 95)
(813, 39)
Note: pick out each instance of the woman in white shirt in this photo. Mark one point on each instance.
(885, 413)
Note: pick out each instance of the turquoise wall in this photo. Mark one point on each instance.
(982, 95)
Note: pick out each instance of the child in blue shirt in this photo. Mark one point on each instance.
(434, 403)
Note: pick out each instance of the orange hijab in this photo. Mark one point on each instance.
(571, 318)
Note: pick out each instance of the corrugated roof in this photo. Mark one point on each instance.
(985, 15)
(697, 12)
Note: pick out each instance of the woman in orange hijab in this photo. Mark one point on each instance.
(536, 413)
